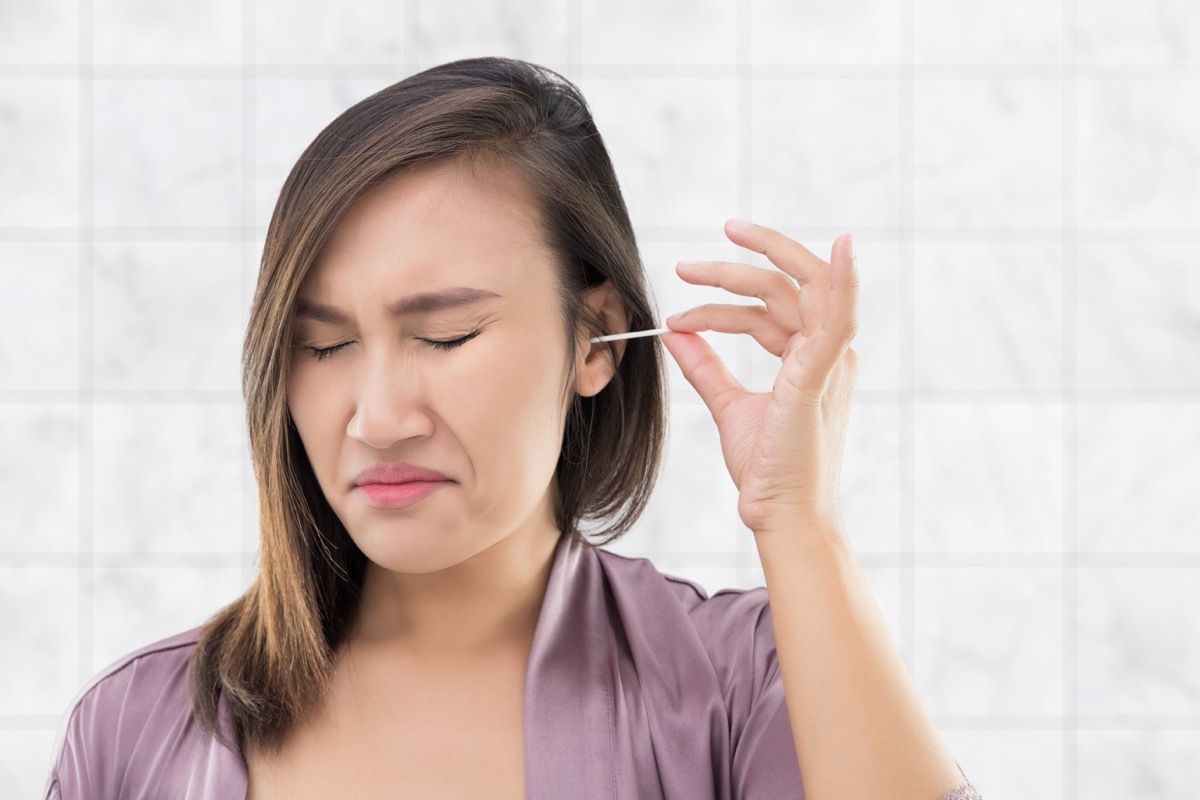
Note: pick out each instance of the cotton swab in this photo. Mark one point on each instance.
(612, 337)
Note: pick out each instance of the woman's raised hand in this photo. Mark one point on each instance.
(783, 448)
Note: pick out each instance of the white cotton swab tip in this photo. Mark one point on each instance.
(612, 337)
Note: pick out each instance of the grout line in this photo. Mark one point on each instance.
(906, 127)
(249, 534)
(1070, 540)
(1069, 725)
(167, 559)
(743, 203)
(85, 396)
(650, 71)
(254, 233)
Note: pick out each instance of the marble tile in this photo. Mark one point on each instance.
(988, 316)
(39, 489)
(39, 33)
(288, 115)
(1138, 641)
(1137, 160)
(1005, 762)
(987, 32)
(673, 143)
(25, 761)
(39, 303)
(988, 478)
(168, 152)
(1132, 32)
(632, 32)
(1146, 764)
(694, 506)
(314, 32)
(138, 32)
(871, 479)
(989, 640)
(988, 153)
(136, 606)
(1137, 470)
(852, 32)
(167, 315)
(39, 177)
(41, 662)
(168, 478)
(1138, 316)
(825, 152)
(535, 30)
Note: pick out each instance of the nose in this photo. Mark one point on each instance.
(390, 405)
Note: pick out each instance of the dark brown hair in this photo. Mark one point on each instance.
(270, 652)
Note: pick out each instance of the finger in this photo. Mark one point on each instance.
(726, 318)
(773, 287)
(784, 252)
(822, 351)
(704, 370)
(842, 318)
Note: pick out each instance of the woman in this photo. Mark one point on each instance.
(431, 421)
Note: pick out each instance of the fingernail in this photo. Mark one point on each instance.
(850, 241)
(738, 224)
(672, 318)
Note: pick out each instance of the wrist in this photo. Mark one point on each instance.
(803, 532)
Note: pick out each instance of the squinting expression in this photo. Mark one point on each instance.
(430, 332)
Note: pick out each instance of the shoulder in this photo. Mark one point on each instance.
(719, 614)
(136, 702)
(135, 681)
(734, 626)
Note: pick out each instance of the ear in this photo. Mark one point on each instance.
(593, 368)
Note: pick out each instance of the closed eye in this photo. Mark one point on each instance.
(321, 353)
(450, 344)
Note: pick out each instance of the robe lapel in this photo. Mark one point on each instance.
(569, 730)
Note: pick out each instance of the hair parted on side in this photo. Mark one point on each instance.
(269, 654)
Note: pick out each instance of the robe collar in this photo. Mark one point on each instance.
(570, 668)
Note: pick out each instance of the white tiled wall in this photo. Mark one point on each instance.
(1023, 181)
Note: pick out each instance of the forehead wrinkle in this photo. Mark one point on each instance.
(413, 305)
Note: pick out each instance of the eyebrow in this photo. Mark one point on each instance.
(413, 304)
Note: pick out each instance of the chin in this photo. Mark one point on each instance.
(415, 549)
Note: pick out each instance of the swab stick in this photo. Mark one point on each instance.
(612, 337)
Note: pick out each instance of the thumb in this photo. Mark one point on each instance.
(703, 368)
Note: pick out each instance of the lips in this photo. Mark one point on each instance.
(397, 472)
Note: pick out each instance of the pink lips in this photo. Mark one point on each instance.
(399, 484)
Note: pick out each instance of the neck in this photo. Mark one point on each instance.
(486, 604)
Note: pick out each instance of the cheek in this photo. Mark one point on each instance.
(510, 396)
(309, 402)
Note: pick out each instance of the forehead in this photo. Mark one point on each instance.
(433, 228)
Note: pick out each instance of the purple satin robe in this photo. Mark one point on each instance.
(639, 686)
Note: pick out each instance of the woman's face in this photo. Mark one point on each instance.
(487, 409)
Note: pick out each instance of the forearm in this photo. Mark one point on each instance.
(860, 728)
